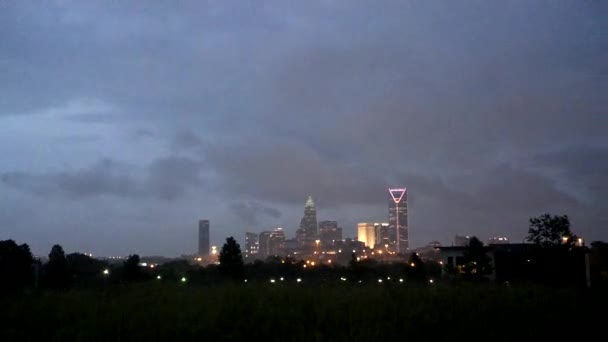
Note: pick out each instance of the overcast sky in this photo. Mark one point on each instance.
(122, 123)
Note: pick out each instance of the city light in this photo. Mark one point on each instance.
(304, 265)
(312, 263)
(245, 280)
(401, 280)
(299, 280)
(413, 265)
(388, 278)
(329, 261)
(282, 279)
(106, 271)
(159, 277)
(441, 263)
(342, 278)
(183, 279)
(272, 281)
(379, 280)
(431, 281)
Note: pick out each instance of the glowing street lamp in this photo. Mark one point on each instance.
(184, 279)
(106, 272)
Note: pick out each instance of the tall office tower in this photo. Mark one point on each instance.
(309, 223)
(397, 219)
(301, 237)
(277, 242)
(264, 244)
(367, 234)
(329, 232)
(203, 237)
(382, 235)
(251, 245)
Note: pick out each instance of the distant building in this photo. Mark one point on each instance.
(367, 234)
(203, 237)
(277, 242)
(382, 235)
(498, 241)
(308, 225)
(398, 219)
(251, 245)
(264, 244)
(329, 232)
(461, 241)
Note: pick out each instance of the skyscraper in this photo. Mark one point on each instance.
(277, 242)
(366, 233)
(329, 232)
(308, 224)
(397, 219)
(264, 244)
(203, 237)
(251, 245)
(382, 235)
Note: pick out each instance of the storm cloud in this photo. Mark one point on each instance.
(158, 114)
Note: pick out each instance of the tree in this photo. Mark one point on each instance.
(83, 268)
(56, 272)
(477, 263)
(548, 231)
(131, 270)
(415, 269)
(16, 262)
(231, 260)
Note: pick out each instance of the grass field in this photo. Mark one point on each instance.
(353, 312)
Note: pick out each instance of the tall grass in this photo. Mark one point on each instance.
(279, 312)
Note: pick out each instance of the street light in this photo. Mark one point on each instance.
(106, 272)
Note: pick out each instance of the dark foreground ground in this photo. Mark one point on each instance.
(266, 312)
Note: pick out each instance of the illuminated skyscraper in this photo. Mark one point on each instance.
(366, 233)
(308, 224)
(203, 237)
(397, 219)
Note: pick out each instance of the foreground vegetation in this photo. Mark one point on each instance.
(299, 312)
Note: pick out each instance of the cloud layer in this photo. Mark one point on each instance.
(157, 115)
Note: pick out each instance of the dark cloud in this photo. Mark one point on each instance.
(167, 178)
(252, 212)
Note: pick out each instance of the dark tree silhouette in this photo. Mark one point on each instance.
(131, 270)
(231, 260)
(56, 273)
(477, 263)
(83, 268)
(548, 231)
(16, 269)
(415, 268)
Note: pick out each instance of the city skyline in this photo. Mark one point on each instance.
(121, 127)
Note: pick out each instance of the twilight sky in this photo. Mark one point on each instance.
(124, 122)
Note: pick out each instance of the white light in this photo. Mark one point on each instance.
(299, 280)
(143, 264)
(401, 280)
(282, 279)
(245, 280)
(388, 278)
(431, 281)
(159, 277)
(183, 279)
(272, 281)
(342, 278)
(379, 280)
(106, 271)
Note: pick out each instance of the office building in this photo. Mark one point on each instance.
(264, 244)
(367, 234)
(329, 232)
(251, 245)
(203, 237)
(308, 225)
(277, 242)
(382, 235)
(398, 219)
